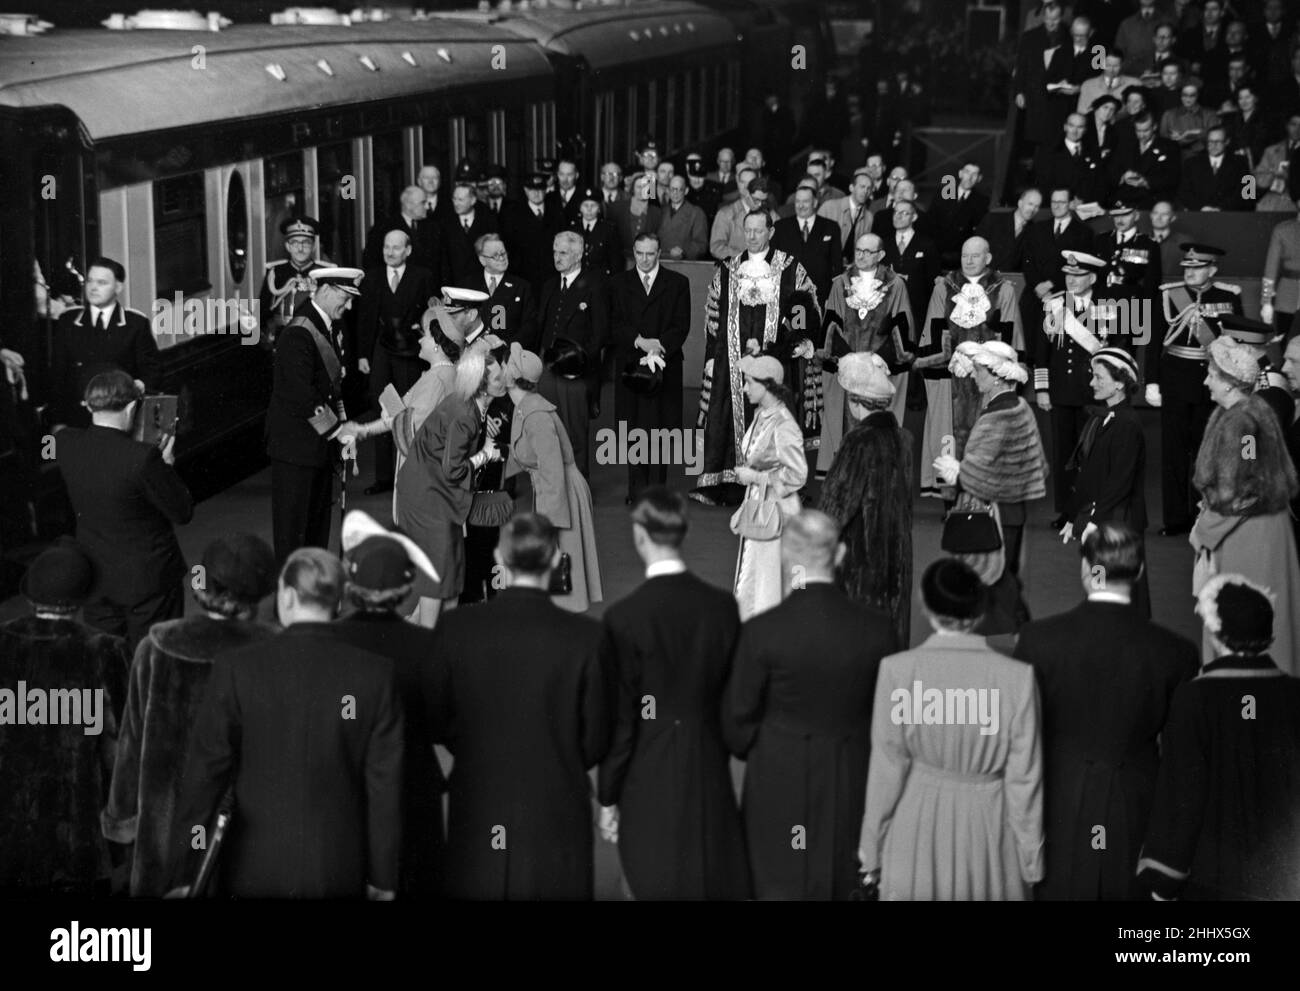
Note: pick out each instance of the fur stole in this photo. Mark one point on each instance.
(1243, 467)
(1003, 460)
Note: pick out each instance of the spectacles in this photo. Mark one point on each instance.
(496, 256)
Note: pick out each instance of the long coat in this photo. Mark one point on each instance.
(1106, 677)
(520, 701)
(540, 447)
(54, 779)
(1227, 801)
(410, 648)
(955, 813)
(671, 642)
(1110, 485)
(169, 677)
(663, 314)
(868, 492)
(308, 731)
(799, 713)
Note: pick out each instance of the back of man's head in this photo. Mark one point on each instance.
(528, 545)
(810, 541)
(1113, 558)
(110, 392)
(661, 513)
(317, 579)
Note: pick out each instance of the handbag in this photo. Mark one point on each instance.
(757, 518)
(970, 530)
(562, 576)
(491, 509)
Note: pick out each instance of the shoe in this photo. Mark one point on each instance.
(1175, 531)
(379, 488)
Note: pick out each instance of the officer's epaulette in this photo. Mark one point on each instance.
(1229, 287)
(73, 309)
(1054, 295)
(271, 265)
(132, 309)
(1172, 285)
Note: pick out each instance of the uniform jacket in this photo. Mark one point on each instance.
(672, 639)
(127, 500)
(1282, 265)
(1062, 360)
(1106, 677)
(521, 702)
(1134, 265)
(81, 352)
(308, 730)
(528, 239)
(569, 210)
(1180, 312)
(601, 250)
(686, 229)
(300, 384)
(799, 714)
(284, 289)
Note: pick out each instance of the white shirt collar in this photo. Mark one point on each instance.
(107, 311)
(399, 269)
(652, 275)
(671, 566)
(1109, 597)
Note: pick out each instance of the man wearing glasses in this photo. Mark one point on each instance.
(510, 311)
(1212, 180)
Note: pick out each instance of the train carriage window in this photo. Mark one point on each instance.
(620, 149)
(283, 180)
(671, 125)
(236, 228)
(180, 236)
(513, 132)
(336, 203)
(690, 126)
(389, 167)
(433, 140)
(478, 149)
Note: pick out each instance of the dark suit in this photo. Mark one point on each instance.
(1031, 77)
(999, 230)
(529, 239)
(1201, 186)
(301, 477)
(462, 259)
(799, 713)
(954, 220)
(388, 336)
(1158, 165)
(1251, 136)
(511, 312)
(601, 250)
(569, 211)
(1106, 677)
(524, 728)
(308, 729)
(821, 254)
(427, 248)
(410, 648)
(580, 315)
(81, 352)
(918, 266)
(127, 499)
(663, 314)
(1100, 144)
(1083, 173)
(679, 829)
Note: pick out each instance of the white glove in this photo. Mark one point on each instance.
(947, 467)
(363, 366)
(653, 360)
(708, 367)
(609, 823)
(1152, 395)
(804, 349)
(1067, 533)
(1266, 312)
(1087, 530)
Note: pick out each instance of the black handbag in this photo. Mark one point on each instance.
(562, 576)
(970, 531)
(491, 509)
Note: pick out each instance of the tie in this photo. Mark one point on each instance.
(537, 211)
(902, 243)
(100, 321)
(564, 284)
(1074, 151)
(961, 194)
(1214, 167)
(645, 278)
(609, 196)
(392, 280)
(1060, 227)
(492, 285)
(465, 221)
(590, 228)
(806, 226)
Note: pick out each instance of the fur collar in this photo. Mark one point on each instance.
(199, 639)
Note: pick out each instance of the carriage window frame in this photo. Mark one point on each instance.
(180, 235)
(236, 227)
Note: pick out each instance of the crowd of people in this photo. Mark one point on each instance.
(470, 351)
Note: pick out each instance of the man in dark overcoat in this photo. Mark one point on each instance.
(798, 712)
(1106, 676)
(307, 731)
(519, 699)
(665, 786)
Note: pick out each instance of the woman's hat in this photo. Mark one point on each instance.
(764, 366)
(241, 565)
(378, 559)
(61, 577)
(523, 364)
(865, 375)
(1117, 358)
(1237, 612)
(997, 357)
(438, 312)
(950, 588)
(1239, 363)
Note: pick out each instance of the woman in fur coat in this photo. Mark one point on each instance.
(1246, 481)
(1002, 468)
(869, 495)
(168, 679)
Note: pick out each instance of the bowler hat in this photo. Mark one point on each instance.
(60, 577)
(950, 588)
(241, 565)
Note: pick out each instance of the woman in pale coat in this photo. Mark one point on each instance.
(774, 454)
(540, 453)
(954, 792)
(1246, 480)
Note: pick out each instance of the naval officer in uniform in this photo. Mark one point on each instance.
(305, 413)
(1075, 327)
(1187, 320)
(289, 282)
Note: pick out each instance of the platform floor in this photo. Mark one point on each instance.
(1051, 577)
